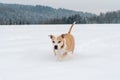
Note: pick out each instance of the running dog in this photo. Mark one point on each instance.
(63, 44)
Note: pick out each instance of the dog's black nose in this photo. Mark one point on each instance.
(55, 47)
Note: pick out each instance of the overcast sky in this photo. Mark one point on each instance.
(93, 6)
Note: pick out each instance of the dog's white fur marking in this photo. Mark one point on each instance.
(60, 50)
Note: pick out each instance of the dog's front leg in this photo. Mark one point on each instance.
(54, 52)
(63, 55)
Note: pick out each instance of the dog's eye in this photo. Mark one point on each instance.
(59, 41)
(53, 41)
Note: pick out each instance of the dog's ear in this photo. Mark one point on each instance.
(63, 35)
(51, 36)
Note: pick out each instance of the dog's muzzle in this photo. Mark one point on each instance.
(55, 47)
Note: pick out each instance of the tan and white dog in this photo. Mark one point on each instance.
(63, 44)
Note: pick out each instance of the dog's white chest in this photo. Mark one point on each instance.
(60, 51)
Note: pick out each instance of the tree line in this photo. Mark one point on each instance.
(28, 14)
(12, 14)
(108, 17)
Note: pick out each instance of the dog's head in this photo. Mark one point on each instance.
(58, 42)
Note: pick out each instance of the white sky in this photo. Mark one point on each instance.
(93, 6)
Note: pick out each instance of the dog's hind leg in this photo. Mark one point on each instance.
(72, 51)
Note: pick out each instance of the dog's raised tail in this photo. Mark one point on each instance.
(71, 27)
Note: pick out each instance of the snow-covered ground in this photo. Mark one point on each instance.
(26, 53)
